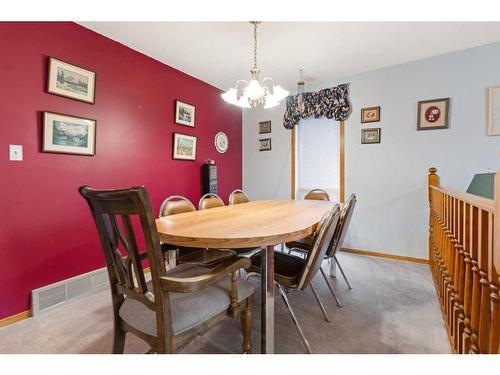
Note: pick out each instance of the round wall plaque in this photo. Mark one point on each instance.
(221, 142)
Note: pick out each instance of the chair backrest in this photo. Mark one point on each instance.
(321, 244)
(130, 210)
(317, 195)
(210, 200)
(343, 225)
(238, 196)
(176, 204)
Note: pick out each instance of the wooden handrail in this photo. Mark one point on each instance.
(475, 200)
(464, 256)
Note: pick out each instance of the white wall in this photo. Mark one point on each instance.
(390, 178)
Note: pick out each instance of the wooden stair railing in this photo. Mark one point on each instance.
(464, 256)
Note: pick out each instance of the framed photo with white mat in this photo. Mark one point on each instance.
(494, 110)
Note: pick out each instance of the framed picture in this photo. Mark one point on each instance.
(265, 144)
(184, 113)
(184, 147)
(67, 134)
(264, 127)
(71, 81)
(494, 110)
(370, 135)
(370, 114)
(433, 114)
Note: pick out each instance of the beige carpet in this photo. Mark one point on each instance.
(392, 308)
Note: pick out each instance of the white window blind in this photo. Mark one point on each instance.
(318, 157)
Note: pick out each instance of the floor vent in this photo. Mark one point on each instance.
(52, 295)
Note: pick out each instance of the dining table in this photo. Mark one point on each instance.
(254, 224)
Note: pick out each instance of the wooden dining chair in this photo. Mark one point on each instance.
(210, 200)
(177, 204)
(238, 196)
(293, 272)
(317, 195)
(174, 306)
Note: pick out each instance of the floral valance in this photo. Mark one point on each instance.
(332, 103)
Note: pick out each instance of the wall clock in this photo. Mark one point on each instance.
(221, 142)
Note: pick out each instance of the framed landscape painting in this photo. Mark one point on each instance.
(184, 113)
(184, 147)
(67, 134)
(71, 81)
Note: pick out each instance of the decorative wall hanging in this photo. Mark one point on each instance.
(264, 127)
(67, 134)
(184, 147)
(494, 110)
(433, 114)
(371, 135)
(184, 113)
(265, 144)
(370, 114)
(221, 142)
(71, 81)
(332, 103)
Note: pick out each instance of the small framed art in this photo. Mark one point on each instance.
(370, 135)
(370, 114)
(67, 134)
(433, 114)
(264, 127)
(184, 113)
(494, 110)
(71, 81)
(265, 144)
(184, 147)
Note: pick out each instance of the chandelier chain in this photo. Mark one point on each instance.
(255, 45)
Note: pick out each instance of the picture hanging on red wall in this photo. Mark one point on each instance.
(71, 81)
(184, 113)
(67, 134)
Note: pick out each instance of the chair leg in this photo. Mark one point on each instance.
(294, 318)
(319, 303)
(118, 340)
(246, 326)
(342, 272)
(330, 287)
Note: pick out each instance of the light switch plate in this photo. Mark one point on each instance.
(16, 152)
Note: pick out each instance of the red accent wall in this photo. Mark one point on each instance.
(46, 231)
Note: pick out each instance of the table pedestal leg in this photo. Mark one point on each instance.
(267, 302)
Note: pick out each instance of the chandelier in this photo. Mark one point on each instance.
(249, 94)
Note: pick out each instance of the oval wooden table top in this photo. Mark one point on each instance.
(245, 225)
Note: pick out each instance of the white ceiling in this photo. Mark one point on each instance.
(221, 52)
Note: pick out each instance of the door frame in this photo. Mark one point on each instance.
(341, 164)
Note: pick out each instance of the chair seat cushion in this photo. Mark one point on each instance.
(287, 268)
(187, 309)
(302, 244)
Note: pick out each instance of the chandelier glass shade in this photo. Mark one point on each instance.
(249, 94)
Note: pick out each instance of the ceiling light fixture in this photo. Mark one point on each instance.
(249, 94)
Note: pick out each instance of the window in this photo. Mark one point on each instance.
(318, 157)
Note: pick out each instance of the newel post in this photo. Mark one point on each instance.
(432, 180)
